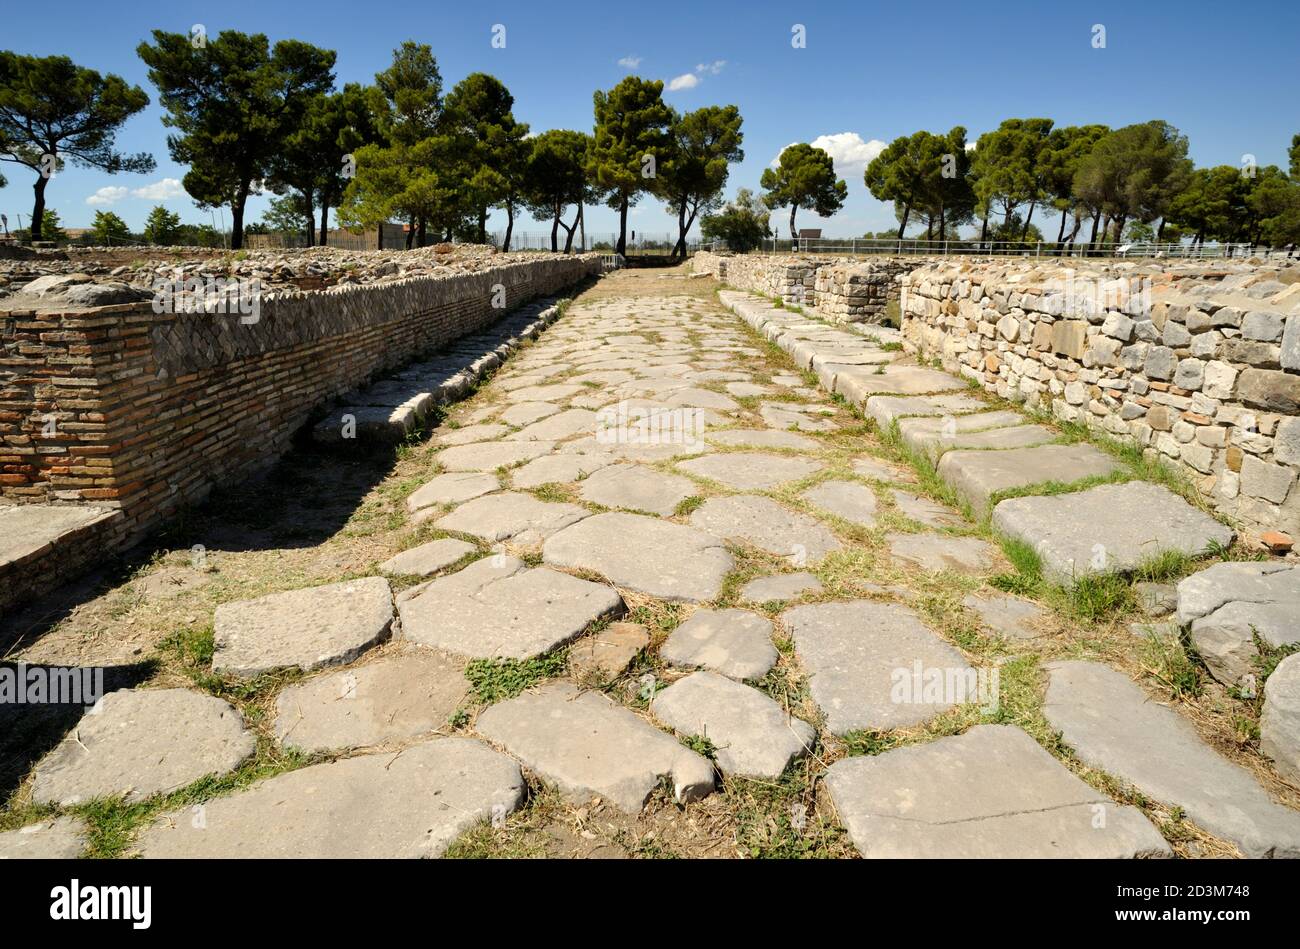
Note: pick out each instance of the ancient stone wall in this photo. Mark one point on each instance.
(840, 289)
(1197, 363)
(125, 408)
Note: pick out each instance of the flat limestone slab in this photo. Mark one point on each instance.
(427, 559)
(783, 586)
(925, 511)
(141, 742)
(638, 488)
(885, 408)
(566, 424)
(55, 838)
(935, 552)
(977, 475)
(1111, 724)
(30, 529)
(498, 607)
(557, 469)
(767, 525)
(412, 804)
(854, 502)
(763, 438)
(644, 554)
(318, 626)
(452, 488)
(390, 699)
(748, 470)
(857, 384)
(1228, 604)
(992, 792)
(510, 514)
(856, 651)
(736, 643)
(1279, 725)
(1112, 527)
(489, 456)
(752, 735)
(1008, 615)
(606, 654)
(806, 418)
(587, 745)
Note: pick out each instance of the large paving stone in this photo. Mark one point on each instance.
(427, 559)
(752, 736)
(557, 469)
(806, 418)
(935, 552)
(638, 488)
(977, 475)
(55, 838)
(854, 502)
(1279, 725)
(1228, 604)
(489, 456)
(767, 525)
(1112, 725)
(1112, 527)
(857, 385)
(524, 413)
(137, 743)
(783, 586)
(556, 428)
(747, 470)
(390, 699)
(467, 434)
(763, 438)
(861, 658)
(413, 804)
(511, 515)
(452, 488)
(498, 607)
(606, 654)
(587, 745)
(991, 792)
(886, 408)
(925, 511)
(27, 530)
(644, 554)
(307, 629)
(1007, 615)
(736, 643)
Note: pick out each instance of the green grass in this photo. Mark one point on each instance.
(494, 680)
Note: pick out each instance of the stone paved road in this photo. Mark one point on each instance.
(735, 624)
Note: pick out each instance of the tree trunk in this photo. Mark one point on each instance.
(420, 232)
(38, 207)
(621, 248)
(984, 229)
(1060, 235)
(1024, 233)
(943, 228)
(907, 212)
(324, 221)
(510, 225)
(482, 225)
(794, 235)
(1092, 240)
(680, 246)
(310, 229)
(237, 215)
(929, 230)
(555, 232)
(582, 230)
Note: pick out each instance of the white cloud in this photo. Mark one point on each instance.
(630, 62)
(105, 196)
(847, 150)
(160, 190)
(684, 81)
(712, 68)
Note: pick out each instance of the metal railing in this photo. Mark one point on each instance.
(852, 247)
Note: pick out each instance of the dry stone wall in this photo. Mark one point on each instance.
(843, 290)
(128, 409)
(1199, 364)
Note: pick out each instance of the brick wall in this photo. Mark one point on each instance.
(125, 408)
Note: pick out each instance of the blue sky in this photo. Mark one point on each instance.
(1225, 75)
